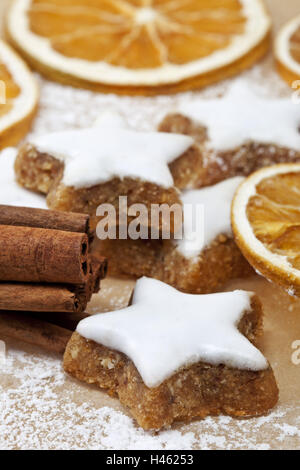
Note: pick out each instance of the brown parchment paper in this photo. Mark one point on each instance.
(282, 330)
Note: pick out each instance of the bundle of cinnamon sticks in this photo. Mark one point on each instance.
(45, 266)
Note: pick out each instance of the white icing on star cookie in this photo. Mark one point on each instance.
(11, 194)
(241, 116)
(94, 156)
(164, 330)
(211, 206)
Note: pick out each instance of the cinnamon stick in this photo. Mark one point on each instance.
(98, 270)
(42, 218)
(32, 331)
(43, 297)
(42, 255)
(17, 296)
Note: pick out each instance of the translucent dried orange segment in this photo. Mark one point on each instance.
(288, 244)
(18, 97)
(287, 51)
(140, 46)
(12, 90)
(137, 34)
(9, 89)
(295, 45)
(266, 223)
(274, 214)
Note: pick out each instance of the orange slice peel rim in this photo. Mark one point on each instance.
(288, 67)
(40, 52)
(275, 267)
(15, 123)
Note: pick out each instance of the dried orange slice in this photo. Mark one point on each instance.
(139, 46)
(266, 223)
(287, 50)
(18, 97)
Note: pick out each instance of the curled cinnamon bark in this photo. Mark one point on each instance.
(29, 297)
(42, 218)
(32, 331)
(42, 255)
(99, 271)
(43, 297)
(45, 261)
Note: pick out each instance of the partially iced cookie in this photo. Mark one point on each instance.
(171, 356)
(203, 260)
(237, 133)
(11, 193)
(81, 169)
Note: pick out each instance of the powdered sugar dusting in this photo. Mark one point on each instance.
(63, 107)
(40, 407)
(35, 414)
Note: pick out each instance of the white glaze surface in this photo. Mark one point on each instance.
(211, 206)
(164, 330)
(94, 156)
(241, 116)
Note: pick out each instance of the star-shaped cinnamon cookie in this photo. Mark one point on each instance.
(11, 193)
(241, 116)
(164, 330)
(202, 260)
(171, 356)
(82, 169)
(237, 133)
